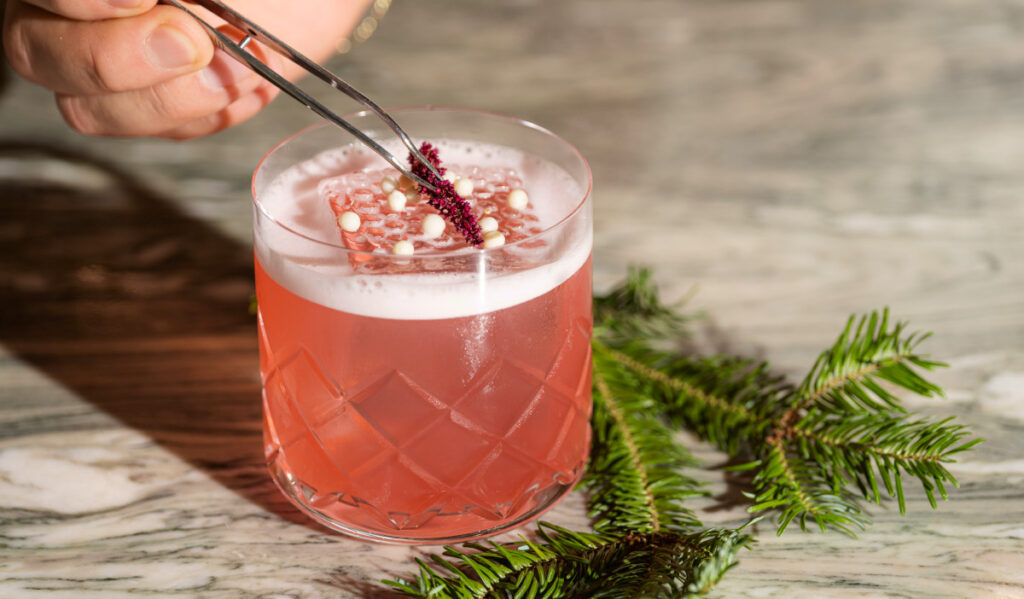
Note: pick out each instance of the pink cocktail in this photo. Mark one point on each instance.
(433, 397)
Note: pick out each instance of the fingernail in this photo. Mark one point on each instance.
(170, 49)
(224, 71)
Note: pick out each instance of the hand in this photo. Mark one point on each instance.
(129, 68)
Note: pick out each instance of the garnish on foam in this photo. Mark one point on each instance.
(379, 213)
(452, 206)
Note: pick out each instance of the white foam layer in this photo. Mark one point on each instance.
(313, 266)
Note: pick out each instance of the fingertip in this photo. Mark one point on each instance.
(185, 42)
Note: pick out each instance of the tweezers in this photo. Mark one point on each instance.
(253, 32)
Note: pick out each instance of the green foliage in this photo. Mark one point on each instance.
(554, 567)
(863, 448)
(818, 449)
(846, 378)
(572, 564)
(635, 479)
(730, 402)
(798, 490)
(634, 312)
(815, 452)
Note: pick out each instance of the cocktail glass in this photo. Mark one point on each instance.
(427, 398)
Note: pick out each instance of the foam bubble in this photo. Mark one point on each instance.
(313, 266)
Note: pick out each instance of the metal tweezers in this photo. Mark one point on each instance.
(254, 32)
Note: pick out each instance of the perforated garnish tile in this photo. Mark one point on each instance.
(381, 227)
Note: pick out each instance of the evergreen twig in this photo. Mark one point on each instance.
(580, 565)
(841, 430)
(815, 450)
(635, 477)
(634, 311)
(863, 448)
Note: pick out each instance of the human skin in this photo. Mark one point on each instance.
(130, 68)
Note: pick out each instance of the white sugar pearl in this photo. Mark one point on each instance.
(396, 200)
(464, 187)
(349, 221)
(488, 224)
(403, 248)
(388, 184)
(433, 225)
(450, 177)
(494, 239)
(518, 199)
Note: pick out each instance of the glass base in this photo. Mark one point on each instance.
(292, 489)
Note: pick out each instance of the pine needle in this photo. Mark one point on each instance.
(567, 564)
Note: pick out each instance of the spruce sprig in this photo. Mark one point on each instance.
(818, 449)
(568, 564)
(847, 377)
(635, 480)
(634, 312)
(864, 448)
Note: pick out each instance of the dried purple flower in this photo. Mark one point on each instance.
(453, 207)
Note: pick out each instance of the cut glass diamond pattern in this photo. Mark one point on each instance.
(497, 403)
(565, 370)
(533, 435)
(289, 379)
(321, 396)
(392, 483)
(282, 415)
(352, 439)
(446, 461)
(505, 474)
(520, 434)
(397, 407)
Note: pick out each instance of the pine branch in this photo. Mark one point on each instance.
(728, 401)
(843, 427)
(570, 564)
(556, 565)
(867, 447)
(634, 479)
(845, 378)
(808, 446)
(668, 566)
(795, 488)
(634, 312)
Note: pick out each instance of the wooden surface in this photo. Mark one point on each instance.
(796, 161)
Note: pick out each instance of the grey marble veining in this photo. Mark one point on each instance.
(796, 161)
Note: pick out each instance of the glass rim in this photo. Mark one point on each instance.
(465, 251)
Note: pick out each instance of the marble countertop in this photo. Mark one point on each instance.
(796, 161)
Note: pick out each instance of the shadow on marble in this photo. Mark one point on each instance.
(344, 581)
(137, 308)
(736, 484)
